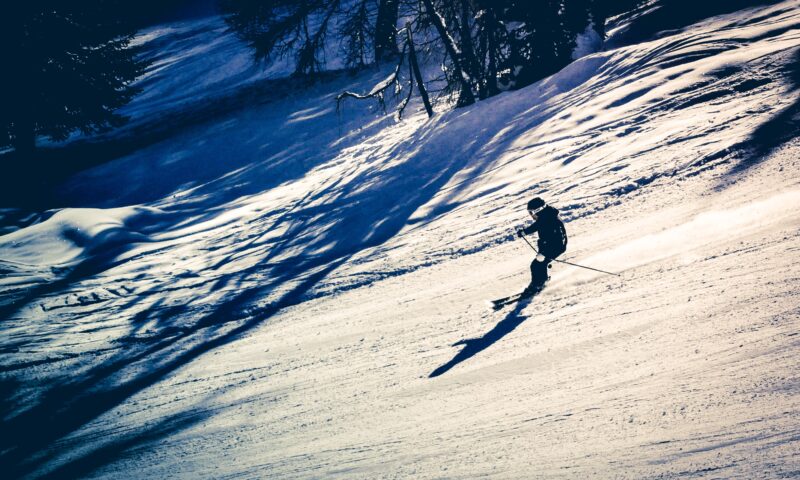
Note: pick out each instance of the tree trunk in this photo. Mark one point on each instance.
(598, 16)
(412, 57)
(467, 50)
(491, 77)
(487, 28)
(386, 30)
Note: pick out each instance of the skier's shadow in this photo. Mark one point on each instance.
(473, 346)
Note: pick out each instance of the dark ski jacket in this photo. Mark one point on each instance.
(552, 234)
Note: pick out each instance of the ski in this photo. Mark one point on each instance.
(502, 302)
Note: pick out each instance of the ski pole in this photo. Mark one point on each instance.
(569, 263)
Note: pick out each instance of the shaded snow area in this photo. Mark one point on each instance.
(267, 293)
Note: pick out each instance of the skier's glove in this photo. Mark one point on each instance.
(520, 232)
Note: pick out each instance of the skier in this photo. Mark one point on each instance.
(552, 242)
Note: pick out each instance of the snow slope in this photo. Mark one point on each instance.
(284, 291)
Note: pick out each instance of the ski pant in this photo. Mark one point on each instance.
(539, 272)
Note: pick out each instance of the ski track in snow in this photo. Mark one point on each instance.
(278, 291)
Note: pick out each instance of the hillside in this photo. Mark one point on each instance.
(268, 291)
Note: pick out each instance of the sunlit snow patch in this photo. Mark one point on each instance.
(707, 228)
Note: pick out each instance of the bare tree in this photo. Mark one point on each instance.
(465, 96)
(378, 92)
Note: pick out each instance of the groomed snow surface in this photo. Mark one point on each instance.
(283, 291)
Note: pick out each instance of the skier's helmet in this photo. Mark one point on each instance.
(536, 205)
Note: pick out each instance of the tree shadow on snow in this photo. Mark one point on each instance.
(290, 253)
(666, 15)
(780, 128)
(473, 346)
(142, 437)
(74, 402)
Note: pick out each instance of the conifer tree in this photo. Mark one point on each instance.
(68, 67)
(386, 29)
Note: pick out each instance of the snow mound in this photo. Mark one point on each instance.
(70, 235)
